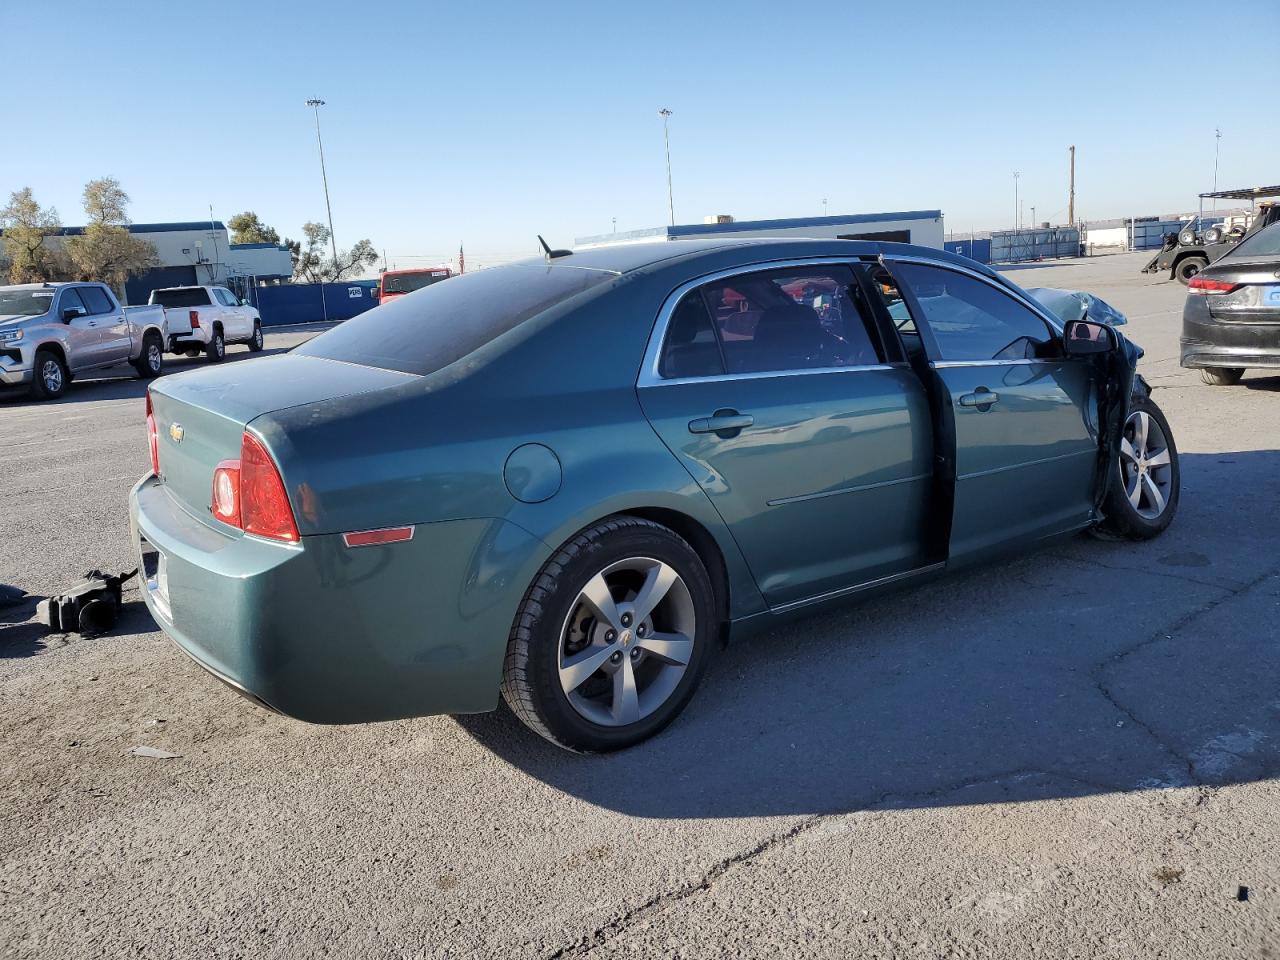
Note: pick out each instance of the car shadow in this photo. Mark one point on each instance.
(1270, 384)
(1088, 667)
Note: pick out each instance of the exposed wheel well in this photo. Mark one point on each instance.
(54, 347)
(704, 545)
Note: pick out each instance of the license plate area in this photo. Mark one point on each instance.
(1271, 295)
(155, 572)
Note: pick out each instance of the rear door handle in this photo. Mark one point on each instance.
(723, 423)
(982, 397)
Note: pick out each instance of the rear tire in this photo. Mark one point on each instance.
(50, 377)
(1221, 376)
(1146, 483)
(150, 362)
(256, 342)
(217, 347)
(1188, 267)
(614, 699)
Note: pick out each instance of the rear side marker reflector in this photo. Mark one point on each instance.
(374, 538)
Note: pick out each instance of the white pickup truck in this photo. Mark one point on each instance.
(207, 319)
(51, 332)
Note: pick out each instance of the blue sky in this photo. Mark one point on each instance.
(488, 122)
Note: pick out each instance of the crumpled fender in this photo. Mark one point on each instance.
(1118, 386)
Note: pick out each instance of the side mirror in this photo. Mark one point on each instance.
(1085, 337)
(244, 302)
(69, 314)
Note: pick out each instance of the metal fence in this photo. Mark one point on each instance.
(301, 302)
(978, 249)
(1012, 246)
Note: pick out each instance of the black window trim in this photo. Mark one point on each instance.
(650, 370)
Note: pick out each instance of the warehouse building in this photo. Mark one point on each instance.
(923, 227)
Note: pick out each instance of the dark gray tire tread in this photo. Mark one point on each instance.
(1221, 376)
(37, 382)
(140, 365)
(209, 350)
(518, 684)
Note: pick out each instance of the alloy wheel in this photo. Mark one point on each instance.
(1145, 465)
(51, 373)
(153, 357)
(627, 641)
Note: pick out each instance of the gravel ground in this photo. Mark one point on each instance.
(1074, 754)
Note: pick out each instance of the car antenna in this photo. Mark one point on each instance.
(552, 254)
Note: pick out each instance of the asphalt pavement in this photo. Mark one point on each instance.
(1073, 754)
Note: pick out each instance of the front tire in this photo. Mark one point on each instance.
(1221, 376)
(1146, 484)
(49, 379)
(256, 341)
(612, 637)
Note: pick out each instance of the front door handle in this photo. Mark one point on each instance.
(725, 424)
(981, 398)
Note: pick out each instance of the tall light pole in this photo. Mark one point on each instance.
(1016, 208)
(1217, 142)
(316, 105)
(666, 139)
(824, 206)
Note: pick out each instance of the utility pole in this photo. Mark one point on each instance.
(1033, 216)
(1071, 194)
(824, 206)
(316, 104)
(666, 139)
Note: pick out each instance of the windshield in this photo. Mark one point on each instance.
(433, 328)
(25, 303)
(409, 282)
(1264, 243)
(181, 297)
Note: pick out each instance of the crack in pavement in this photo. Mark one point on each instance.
(619, 925)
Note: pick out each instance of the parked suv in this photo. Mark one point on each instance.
(207, 319)
(51, 332)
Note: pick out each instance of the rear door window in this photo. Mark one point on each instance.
(446, 321)
(691, 348)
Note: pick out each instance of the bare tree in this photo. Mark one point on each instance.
(27, 226)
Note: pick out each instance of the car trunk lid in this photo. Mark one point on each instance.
(201, 416)
(1257, 296)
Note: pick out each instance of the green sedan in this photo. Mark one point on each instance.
(569, 481)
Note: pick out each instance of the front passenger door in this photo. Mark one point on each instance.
(1024, 415)
(84, 338)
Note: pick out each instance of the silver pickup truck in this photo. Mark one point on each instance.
(52, 332)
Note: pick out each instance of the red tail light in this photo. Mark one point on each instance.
(1207, 285)
(249, 494)
(153, 440)
(195, 319)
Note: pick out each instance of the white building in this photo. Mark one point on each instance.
(923, 227)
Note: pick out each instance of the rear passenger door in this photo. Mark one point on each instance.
(774, 391)
(1024, 416)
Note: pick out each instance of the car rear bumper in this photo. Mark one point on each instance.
(329, 634)
(1209, 342)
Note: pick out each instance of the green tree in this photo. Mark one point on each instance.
(351, 261)
(247, 227)
(26, 227)
(310, 265)
(106, 250)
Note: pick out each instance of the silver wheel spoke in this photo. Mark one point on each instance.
(596, 594)
(1153, 493)
(671, 647)
(626, 699)
(575, 672)
(1141, 424)
(1159, 459)
(656, 584)
(1126, 450)
(1135, 492)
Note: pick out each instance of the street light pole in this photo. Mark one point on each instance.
(1217, 143)
(666, 139)
(1016, 208)
(316, 104)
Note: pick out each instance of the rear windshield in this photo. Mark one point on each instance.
(1264, 243)
(409, 282)
(424, 331)
(181, 297)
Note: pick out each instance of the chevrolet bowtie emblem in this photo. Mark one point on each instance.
(176, 433)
